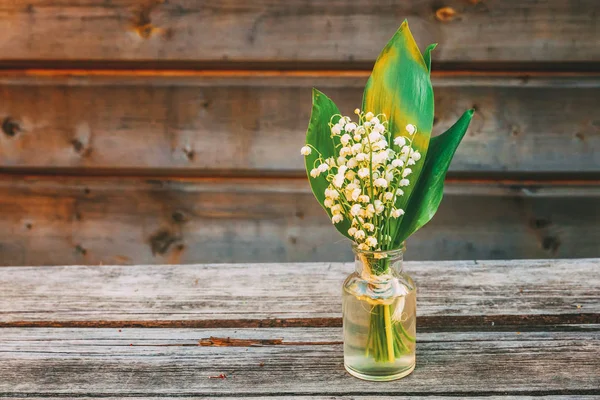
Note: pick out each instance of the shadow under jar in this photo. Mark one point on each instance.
(379, 316)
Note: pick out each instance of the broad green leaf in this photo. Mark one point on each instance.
(427, 55)
(400, 87)
(318, 135)
(429, 190)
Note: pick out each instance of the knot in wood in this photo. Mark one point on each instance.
(161, 241)
(145, 31)
(179, 216)
(10, 127)
(445, 14)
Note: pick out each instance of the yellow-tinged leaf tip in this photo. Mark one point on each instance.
(415, 50)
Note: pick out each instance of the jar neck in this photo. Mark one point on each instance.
(377, 265)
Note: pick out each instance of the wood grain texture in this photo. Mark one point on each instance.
(292, 363)
(71, 220)
(340, 397)
(244, 123)
(165, 362)
(307, 291)
(297, 30)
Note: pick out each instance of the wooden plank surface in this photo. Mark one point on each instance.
(318, 397)
(81, 220)
(250, 123)
(308, 294)
(297, 30)
(164, 362)
(492, 360)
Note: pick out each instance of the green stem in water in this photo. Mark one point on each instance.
(369, 339)
(387, 340)
(388, 333)
(406, 334)
(401, 347)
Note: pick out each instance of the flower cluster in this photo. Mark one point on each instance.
(367, 176)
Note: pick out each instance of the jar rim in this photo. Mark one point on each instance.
(391, 252)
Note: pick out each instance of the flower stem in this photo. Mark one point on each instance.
(388, 334)
(407, 335)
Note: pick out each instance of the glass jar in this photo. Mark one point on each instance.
(379, 317)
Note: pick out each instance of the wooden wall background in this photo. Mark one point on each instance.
(169, 131)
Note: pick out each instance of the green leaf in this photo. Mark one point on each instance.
(400, 87)
(429, 190)
(318, 136)
(427, 55)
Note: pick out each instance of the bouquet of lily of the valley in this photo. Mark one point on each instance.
(380, 175)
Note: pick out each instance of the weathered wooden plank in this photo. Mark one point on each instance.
(170, 362)
(318, 397)
(297, 30)
(237, 292)
(253, 123)
(71, 220)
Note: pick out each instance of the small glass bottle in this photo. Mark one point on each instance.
(379, 317)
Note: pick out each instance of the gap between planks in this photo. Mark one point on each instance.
(471, 323)
(169, 72)
(438, 67)
(583, 394)
(591, 394)
(581, 180)
(503, 396)
(354, 78)
(575, 179)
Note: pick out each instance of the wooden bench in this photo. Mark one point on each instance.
(494, 329)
